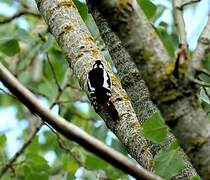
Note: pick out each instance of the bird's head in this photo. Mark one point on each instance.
(98, 64)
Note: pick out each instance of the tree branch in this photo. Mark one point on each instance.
(17, 15)
(71, 131)
(81, 51)
(53, 73)
(182, 52)
(202, 49)
(184, 4)
(33, 134)
(177, 101)
(128, 21)
(133, 83)
(21, 150)
(7, 93)
(197, 81)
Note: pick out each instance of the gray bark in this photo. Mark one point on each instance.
(81, 52)
(134, 85)
(170, 94)
(71, 131)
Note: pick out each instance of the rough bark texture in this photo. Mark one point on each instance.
(139, 38)
(81, 52)
(134, 85)
(70, 131)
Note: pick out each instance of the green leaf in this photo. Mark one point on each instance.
(10, 47)
(93, 162)
(37, 162)
(203, 96)
(3, 140)
(34, 147)
(49, 89)
(100, 132)
(174, 145)
(117, 145)
(148, 7)
(154, 128)
(9, 2)
(5, 100)
(170, 41)
(49, 42)
(168, 163)
(24, 36)
(159, 11)
(195, 178)
(82, 8)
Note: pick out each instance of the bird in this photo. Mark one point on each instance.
(99, 87)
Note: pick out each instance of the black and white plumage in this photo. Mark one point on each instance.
(99, 87)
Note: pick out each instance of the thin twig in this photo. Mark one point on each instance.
(62, 145)
(29, 141)
(53, 73)
(73, 132)
(206, 92)
(29, 63)
(199, 82)
(183, 5)
(204, 71)
(84, 100)
(7, 93)
(18, 153)
(17, 15)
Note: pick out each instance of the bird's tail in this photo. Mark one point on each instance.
(112, 112)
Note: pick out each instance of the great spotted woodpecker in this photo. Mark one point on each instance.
(99, 87)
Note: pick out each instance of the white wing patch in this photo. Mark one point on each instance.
(89, 85)
(105, 84)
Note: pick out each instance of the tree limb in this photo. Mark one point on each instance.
(134, 84)
(36, 130)
(21, 150)
(17, 15)
(71, 131)
(81, 52)
(202, 49)
(128, 21)
(176, 99)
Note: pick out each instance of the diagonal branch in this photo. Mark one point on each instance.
(133, 83)
(19, 14)
(81, 51)
(19, 152)
(176, 100)
(35, 131)
(71, 131)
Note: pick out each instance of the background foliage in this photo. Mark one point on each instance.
(32, 55)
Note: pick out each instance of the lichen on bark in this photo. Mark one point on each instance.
(81, 52)
(128, 21)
